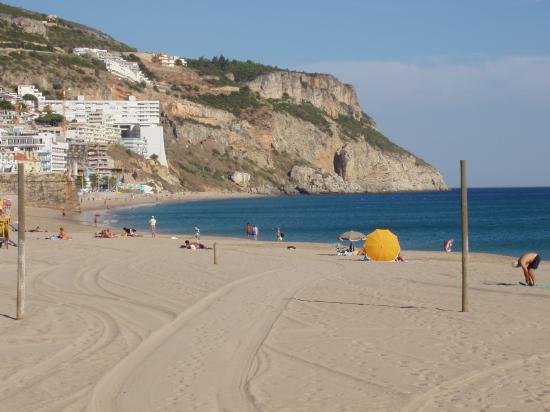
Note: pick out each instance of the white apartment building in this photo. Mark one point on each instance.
(123, 112)
(10, 117)
(99, 128)
(43, 145)
(167, 60)
(22, 90)
(114, 64)
(8, 96)
(137, 120)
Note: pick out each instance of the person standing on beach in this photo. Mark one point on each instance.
(248, 231)
(280, 235)
(448, 245)
(153, 226)
(197, 233)
(529, 262)
(255, 232)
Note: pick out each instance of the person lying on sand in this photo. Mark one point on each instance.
(529, 262)
(106, 234)
(193, 245)
(37, 229)
(130, 232)
(62, 235)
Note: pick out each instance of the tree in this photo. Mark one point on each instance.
(29, 97)
(5, 105)
(154, 157)
(179, 62)
(93, 180)
(52, 119)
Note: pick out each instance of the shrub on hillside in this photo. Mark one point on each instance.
(220, 66)
(235, 102)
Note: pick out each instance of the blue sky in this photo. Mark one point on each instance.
(446, 79)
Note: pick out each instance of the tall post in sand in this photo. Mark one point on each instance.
(215, 253)
(21, 269)
(465, 247)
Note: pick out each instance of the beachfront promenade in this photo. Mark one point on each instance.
(135, 324)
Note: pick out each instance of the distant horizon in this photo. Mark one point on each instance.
(459, 80)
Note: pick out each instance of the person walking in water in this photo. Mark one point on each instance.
(529, 262)
(248, 231)
(197, 233)
(255, 232)
(153, 226)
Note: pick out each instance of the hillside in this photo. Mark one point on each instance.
(282, 131)
(20, 28)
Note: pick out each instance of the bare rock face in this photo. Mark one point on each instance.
(25, 24)
(321, 90)
(292, 155)
(241, 179)
(309, 180)
(377, 171)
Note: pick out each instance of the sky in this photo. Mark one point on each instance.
(445, 79)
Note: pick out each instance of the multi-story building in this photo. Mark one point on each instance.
(8, 96)
(40, 146)
(167, 60)
(99, 128)
(123, 112)
(22, 90)
(114, 64)
(137, 120)
(10, 159)
(12, 117)
(90, 158)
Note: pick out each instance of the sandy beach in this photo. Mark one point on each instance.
(137, 324)
(104, 200)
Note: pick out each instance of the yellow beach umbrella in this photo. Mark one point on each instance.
(382, 245)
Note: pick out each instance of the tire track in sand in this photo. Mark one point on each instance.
(204, 359)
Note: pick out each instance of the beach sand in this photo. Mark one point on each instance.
(137, 324)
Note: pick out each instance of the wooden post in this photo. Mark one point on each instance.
(215, 253)
(21, 269)
(465, 246)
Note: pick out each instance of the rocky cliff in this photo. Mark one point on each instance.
(321, 90)
(309, 134)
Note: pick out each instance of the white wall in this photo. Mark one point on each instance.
(154, 136)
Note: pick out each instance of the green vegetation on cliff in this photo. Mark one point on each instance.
(355, 129)
(304, 111)
(235, 102)
(220, 66)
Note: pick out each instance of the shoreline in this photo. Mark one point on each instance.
(97, 201)
(76, 223)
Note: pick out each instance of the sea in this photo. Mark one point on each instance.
(506, 221)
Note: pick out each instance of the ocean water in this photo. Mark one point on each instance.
(506, 221)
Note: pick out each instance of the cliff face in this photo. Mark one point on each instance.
(322, 90)
(298, 155)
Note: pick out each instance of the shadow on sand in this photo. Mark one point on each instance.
(371, 304)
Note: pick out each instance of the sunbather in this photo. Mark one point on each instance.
(37, 229)
(194, 245)
(106, 234)
(62, 235)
